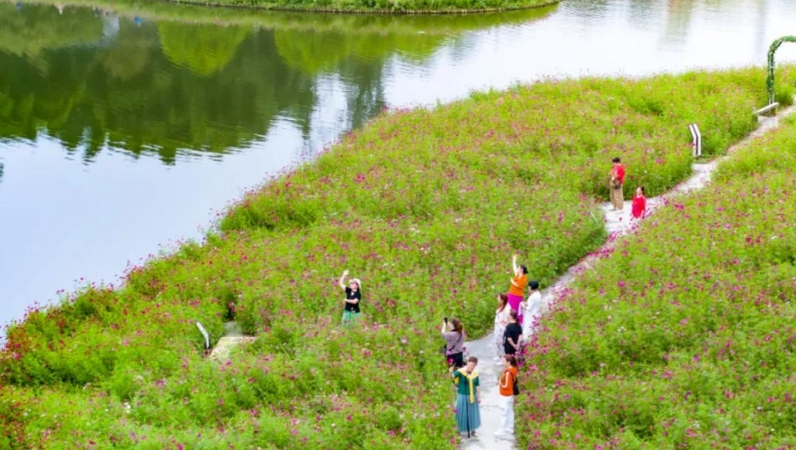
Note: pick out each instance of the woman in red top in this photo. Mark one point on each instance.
(639, 203)
(616, 184)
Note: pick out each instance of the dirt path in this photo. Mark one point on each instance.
(617, 224)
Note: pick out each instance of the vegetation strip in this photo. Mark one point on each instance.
(681, 336)
(354, 7)
(424, 207)
(429, 25)
(403, 7)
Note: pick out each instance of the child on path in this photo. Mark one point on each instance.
(517, 287)
(507, 379)
(468, 417)
(532, 309)
(639, 203)
(617, 181)
(501, 320)
(352, 297)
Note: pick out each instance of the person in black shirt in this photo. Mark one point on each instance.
(511, 337)
(352, 297)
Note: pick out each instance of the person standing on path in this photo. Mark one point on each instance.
(616, 184)
(453, 333)
(639, 203)
(501, 320)
(507, 379)
(468, 416)
(512, 335)
(517, 287)
(531, 309)
(352, 297)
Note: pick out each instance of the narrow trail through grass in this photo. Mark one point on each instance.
(617, 224)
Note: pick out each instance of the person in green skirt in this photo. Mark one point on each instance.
(352, 297)
(468, 417)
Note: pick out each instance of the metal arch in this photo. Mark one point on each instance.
(771, 50)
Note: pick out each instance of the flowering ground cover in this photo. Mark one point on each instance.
(683, 337)
(425, 206)
(402, 7)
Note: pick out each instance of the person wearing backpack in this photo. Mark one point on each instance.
(508, 389)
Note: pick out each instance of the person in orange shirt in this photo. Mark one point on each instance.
(517, 287)
(507, 379)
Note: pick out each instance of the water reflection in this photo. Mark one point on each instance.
(94, 79)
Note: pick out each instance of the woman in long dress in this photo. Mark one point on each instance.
(468, 417)
(501, 320)
(532, 309)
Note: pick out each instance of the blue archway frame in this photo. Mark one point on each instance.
(771, 50)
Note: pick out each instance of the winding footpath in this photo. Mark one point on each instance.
(617, 223)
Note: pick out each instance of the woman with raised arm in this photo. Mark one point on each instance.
(517, 287)
(353, 295)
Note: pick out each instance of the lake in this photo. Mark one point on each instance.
(125, 129)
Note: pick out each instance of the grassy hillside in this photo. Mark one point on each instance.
(425, 206)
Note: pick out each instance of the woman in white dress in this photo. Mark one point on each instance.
(532, 309)
(501, 320)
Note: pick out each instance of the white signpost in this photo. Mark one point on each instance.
(696, 139)
(205, 334)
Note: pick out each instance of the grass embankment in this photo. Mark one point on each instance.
(425, 206)
(381, 24)
(415, 7)
(380, 6)
(684, 337)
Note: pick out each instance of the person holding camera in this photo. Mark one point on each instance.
(453, 333)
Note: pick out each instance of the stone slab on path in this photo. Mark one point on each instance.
(233, 337)
(617, 223)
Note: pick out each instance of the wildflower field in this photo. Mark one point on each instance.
(426, 207)
(684, 336)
